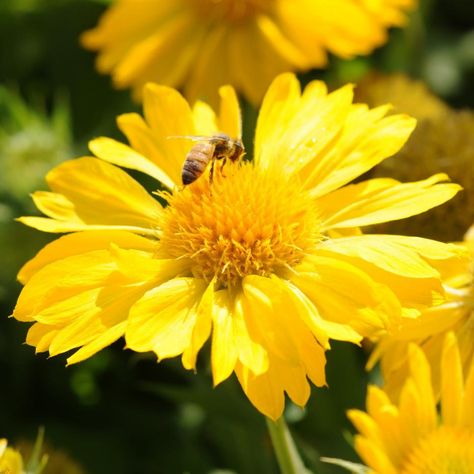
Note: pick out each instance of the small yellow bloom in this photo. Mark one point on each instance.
(442, 142)
(203, 44)
(406, 95)
(267, 260)
(11, 461)
(410, 437)
(429, 329)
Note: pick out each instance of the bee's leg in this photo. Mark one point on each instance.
(211, 171)
(224, 161)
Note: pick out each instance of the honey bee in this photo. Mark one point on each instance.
(209, 149)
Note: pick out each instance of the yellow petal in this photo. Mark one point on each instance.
(202, 327)
(141, 265)
(267, 308)
(420, 373)
(84, 182)
(165, 150)
(168, 115)
(384, 200)
(230, 121)
(267, 305)
(81, 242)
(163, 319)
(452, 382)
(88, 316)
(40, 336)
(252, 354)
(264, 391)
(224, 351)
(213, 50)
(283, 47)
(295, 384)
(205, 120)
(344, 294)
(122, 155)
(374, 456)
(157, 47)
(468, 406)
(321, 328)
(61, 279)
(105, 339)
(279, 104)
(365, 140)
(247, 45)
(395, 254)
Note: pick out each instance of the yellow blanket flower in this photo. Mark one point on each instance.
(410, 437)
(11, 461)
(203, 44)
(428, 151)
(429, 329)
(266, 260)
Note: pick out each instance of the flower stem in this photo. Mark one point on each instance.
(288, 458)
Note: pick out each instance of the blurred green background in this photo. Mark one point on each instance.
(120, 412)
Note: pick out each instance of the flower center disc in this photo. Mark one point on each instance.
(232, 10)
(246, 222)
(445, 451)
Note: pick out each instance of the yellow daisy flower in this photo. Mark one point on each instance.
(429, 329)
(428, 151)
(406, 95)
(11, 461)
(410, 437)
(267, 257)
(203, 44)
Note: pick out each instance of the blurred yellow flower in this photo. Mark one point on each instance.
(11, 461)
(410, 437)
(429, 329)
(407, 95)
(203, 44)
(443, 141)
(268, 257)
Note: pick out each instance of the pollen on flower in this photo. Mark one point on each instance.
(244, 222)
(232, 10)
(445, 451)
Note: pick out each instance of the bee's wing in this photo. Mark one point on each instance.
(194, 138)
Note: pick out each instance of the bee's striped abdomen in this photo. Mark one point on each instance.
(196, 162)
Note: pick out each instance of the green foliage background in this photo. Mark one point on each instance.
(120, 412)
